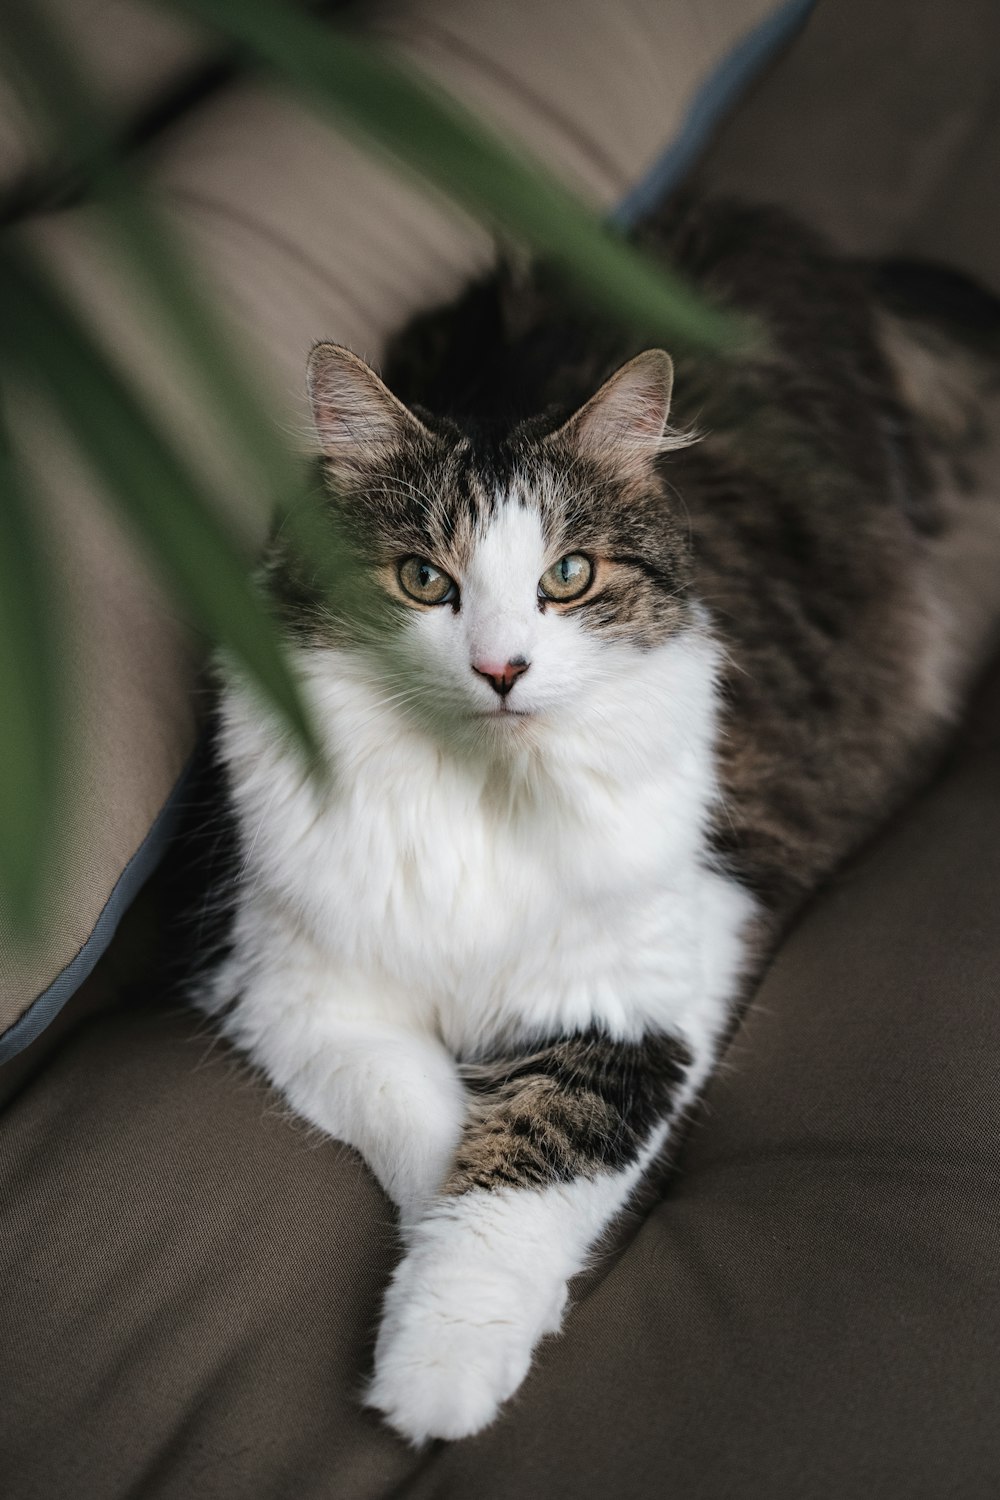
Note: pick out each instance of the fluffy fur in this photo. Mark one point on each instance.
(499, 951)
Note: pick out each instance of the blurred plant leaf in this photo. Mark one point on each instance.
(136, 468)
(31, 742)
(148, 250)
(63, 102)
(362, 87)
(151, 486)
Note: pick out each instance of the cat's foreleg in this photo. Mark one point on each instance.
(556, 1141)
(391, 1092)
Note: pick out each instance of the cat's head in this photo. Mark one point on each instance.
(519, 571)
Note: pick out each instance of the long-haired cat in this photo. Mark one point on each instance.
(619, 693)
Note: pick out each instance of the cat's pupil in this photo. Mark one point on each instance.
(424, 575)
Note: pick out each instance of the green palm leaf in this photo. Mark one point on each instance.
(30, 692)
(150, 484)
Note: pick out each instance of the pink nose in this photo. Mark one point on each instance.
(500, 676)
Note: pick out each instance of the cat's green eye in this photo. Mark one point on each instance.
(567, 579)
(424, 582)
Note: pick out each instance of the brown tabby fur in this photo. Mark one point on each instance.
(574, 1107)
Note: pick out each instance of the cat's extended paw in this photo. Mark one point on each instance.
(458, 1332)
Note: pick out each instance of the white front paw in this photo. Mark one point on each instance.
(457, 1336)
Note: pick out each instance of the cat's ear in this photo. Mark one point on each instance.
(624, 425)
(357, 417)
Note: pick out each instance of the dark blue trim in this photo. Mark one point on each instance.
(717, 96)
(144, 861)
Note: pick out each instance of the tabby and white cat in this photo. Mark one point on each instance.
(630, 697)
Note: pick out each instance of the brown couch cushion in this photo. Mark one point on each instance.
(192, 1279)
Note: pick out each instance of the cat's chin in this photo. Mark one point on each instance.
(501, 730)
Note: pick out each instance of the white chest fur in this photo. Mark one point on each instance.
(487, 896)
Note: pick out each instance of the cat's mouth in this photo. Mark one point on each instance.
(501, 713)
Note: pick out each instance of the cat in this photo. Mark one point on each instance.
(623, 685)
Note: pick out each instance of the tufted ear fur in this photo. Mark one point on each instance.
(357, 417)
(624, 424)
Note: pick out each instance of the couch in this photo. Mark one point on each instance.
(808, 1306)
